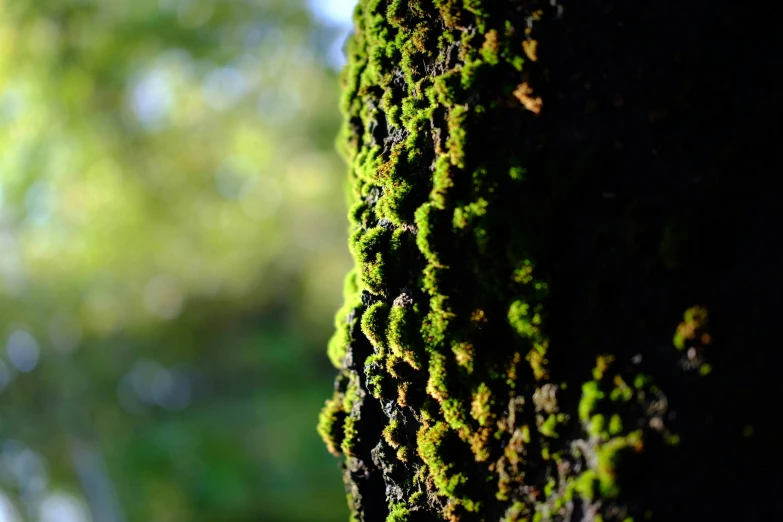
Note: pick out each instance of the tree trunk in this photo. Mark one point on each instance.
(567, 276)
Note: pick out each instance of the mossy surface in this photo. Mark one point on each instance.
(505, 350)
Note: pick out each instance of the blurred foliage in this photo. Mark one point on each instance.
(171, 253)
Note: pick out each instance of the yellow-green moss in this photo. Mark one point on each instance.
(392, 433)
(341, 338)
(430, 443)
(398, 513)
(591, 394)
(373, 324)
(692, 328)
(481, 407)
(402, 334)
(330, 425)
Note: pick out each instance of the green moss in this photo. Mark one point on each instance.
(424, 234)
(524, 320)
(403, 454)
(368, 247)
(398, 513)
(442, 182)
(373, 324)
(352, 506)
(366, 243)
(491, 48)
(447, 88)
(338, 344)
(379, 383)
(467, 215)
(440, 315)
(395, 204)
(602, 363)
(450, 13)
(473, 72)
(393, 433)
(548, 427)
(586, 485)
(517, 512)
(621, 392)
(591, 394)
(351, 394)
(615, 425)
(457, 120)
(402, 334)
(597, 425)
(456, 414)
(550, 487)
(641, 381)
(537, 359)
(339, 341)
(330, 424)
(481, 406)
(350, 437)
(360, 214)
(464, 352)
(396, 12)
(609, 457)
(692, 328)
(431, 447)
(436, 384)
(517, 173)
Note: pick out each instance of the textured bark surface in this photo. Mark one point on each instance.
(567, 277)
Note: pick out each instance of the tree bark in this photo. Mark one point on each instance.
(567, 275)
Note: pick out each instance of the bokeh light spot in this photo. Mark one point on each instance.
(23, 351)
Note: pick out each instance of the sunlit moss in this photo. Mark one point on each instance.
(374, 321)
(330, 424)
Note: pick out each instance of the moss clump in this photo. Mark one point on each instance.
(693, 328)
(610, 456)
(621, 391)
(464, 353)
(591, 394)
(379, 382)
(398, 513)
(615, 425)
(586, 485)
(525, 321)
(368, 249)
(374, 321)
(351, 435)
(517, 512)
(344, 320)
(330, 425)
(402, 333)
(393, 434)
(481, 406)
(432, 445)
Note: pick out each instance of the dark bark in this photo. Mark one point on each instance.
(568, 265)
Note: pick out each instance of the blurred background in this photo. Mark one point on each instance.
(172, 248)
